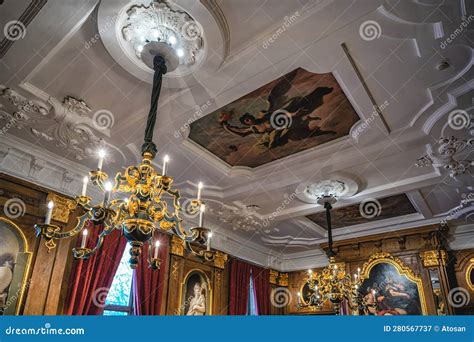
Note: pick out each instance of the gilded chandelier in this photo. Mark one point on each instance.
(149, 202)
(333, 284)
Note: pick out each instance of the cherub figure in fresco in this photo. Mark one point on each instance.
(275, 129)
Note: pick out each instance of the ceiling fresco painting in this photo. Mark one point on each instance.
(295, 112)
(367, 211)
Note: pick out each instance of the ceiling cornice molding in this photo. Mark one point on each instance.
(38, 166)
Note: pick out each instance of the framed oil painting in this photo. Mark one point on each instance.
(14, 265)
(390, 288)
(290, 114)
(470, 275)
(196, 294)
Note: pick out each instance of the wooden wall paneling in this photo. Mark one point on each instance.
(175, 278)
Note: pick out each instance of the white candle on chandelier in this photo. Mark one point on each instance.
(202, 209)
(49, 212)
(358, 271)
(209, 236)
(101, 154)
(85, 180)
(108, 189)
(299, 298)
(84, 238)
(166, 159)
(200, 185)
(157, 248)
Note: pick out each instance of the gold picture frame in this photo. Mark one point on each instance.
(183, 288)
(402, 269)
(470, 268)
(16, 293)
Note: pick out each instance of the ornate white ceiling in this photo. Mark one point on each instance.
(67, 83)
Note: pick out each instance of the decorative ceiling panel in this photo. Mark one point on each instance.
(293, 113)
(367, 211)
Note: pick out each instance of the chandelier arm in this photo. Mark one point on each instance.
(159, 65)
(207, 255)
(84, 253)
(81, 220)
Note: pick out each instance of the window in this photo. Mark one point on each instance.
(252, 301)
(119, 298)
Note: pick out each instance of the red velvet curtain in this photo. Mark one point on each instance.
(261, 281)
(90, 279)
(147, 283)
(239, 287)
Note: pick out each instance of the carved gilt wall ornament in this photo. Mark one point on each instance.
(283, 279)
(62, 207)
(177, 245)
(220, 260)
(273, 277)
(174, 270)
(434, 258)
(66, 124)
(446, 155)
(218, 274)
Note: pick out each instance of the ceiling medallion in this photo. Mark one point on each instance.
(331, 188)
(160, 22)
(336, 186)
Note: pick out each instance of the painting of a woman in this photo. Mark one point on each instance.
(11, 246)
(195, 295)
(197, 304)
(6, 276)
(385, 292)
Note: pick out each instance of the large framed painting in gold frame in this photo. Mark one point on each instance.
(196, 294)
(15, 261)
(389, 287)
(470, 274)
